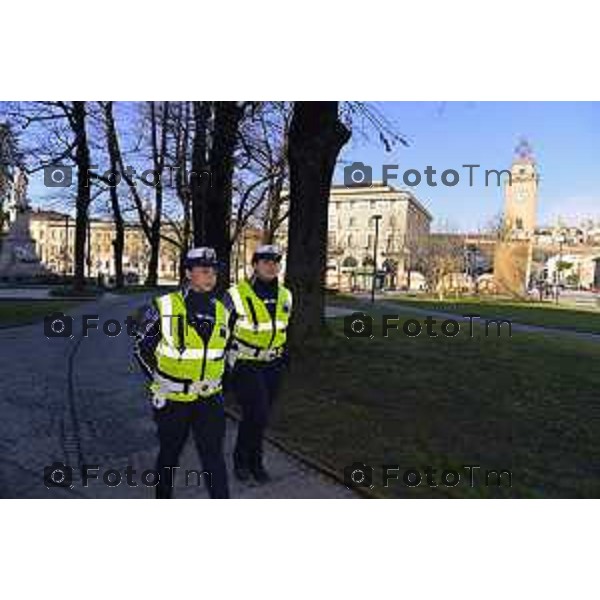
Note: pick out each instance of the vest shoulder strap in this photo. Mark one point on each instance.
(172, 299)
(286, 295)
(235, 293)
(221, 312)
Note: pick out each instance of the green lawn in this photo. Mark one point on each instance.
(532, 313)
(527, 403)
(22, 312)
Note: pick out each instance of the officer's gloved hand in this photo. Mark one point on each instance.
(158, 402)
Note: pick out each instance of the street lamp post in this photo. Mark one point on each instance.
(244, 252)
(376, 218)
(66, 255)
(561, 241)
(89, 249)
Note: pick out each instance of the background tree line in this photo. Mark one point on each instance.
(216, 167)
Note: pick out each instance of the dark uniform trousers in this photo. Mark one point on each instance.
(255, 386)
(206, 419)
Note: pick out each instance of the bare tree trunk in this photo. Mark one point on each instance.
(113, 153)
(7, 161)
(159, 148)
(274, 219)
(182, 182)
(218, 213)
(198, 182)
(82, 160)
(316, 138)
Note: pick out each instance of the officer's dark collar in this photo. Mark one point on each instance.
(189, 291)
(255, 280)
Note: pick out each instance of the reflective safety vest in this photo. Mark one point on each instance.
(186, 367)
(257, 336)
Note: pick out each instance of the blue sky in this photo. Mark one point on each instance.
(565, 137)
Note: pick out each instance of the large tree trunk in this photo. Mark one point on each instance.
(7, 160)
(186, 235)
(218, 213)
(82, 160)
(316, 138)
(199, 183)
(211, 200)
(113, 154)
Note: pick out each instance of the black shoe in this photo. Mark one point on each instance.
(241, 473)
(260, 474)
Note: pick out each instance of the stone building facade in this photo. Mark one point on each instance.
(50, 230)
(403, 222)
(54, 235)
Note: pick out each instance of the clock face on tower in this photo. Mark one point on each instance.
(520, 194)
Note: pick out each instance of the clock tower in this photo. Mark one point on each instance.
(520, 195)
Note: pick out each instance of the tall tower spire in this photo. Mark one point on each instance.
(520, 193)
(523, 152)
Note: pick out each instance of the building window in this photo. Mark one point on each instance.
(350, 262)
(351, 222)
(350, 240)
(519, 223)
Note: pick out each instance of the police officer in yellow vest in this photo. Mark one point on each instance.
(181, 346)
(261, 309)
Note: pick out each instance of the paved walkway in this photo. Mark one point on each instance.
(31, 293)
(76, 400)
